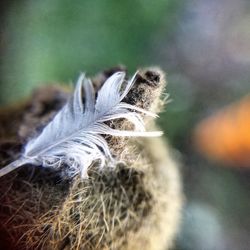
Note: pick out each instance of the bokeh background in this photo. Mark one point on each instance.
(203, 45)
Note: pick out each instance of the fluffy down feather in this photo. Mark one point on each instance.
(75, 136)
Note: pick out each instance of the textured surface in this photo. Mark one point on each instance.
(135, 205)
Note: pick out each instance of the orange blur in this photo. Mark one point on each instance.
(225, 136)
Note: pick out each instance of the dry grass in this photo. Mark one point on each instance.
(25, 199)
(98, 212)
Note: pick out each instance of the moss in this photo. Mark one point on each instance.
(132, 206)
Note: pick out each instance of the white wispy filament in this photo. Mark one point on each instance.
(74, 137)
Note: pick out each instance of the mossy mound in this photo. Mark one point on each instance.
(135, 205)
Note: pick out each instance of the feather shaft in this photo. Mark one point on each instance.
(13, 165)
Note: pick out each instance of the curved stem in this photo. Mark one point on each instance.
(13, 165)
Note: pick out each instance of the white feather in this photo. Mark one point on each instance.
(74, 136)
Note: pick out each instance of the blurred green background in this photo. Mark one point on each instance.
(55, 40)
(203, 45)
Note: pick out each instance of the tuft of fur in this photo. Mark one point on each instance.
(133, 206)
